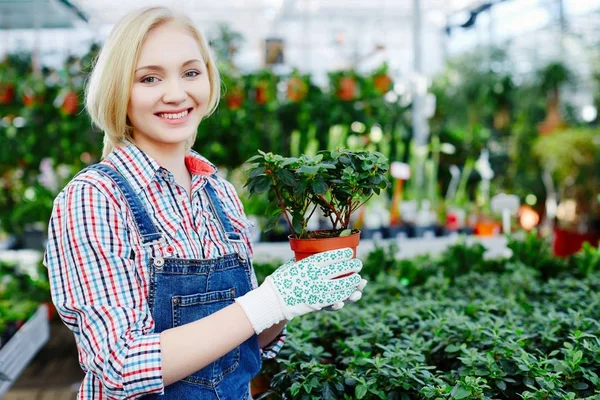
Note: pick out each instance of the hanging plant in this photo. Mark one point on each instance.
(500, 96)
(551, 78)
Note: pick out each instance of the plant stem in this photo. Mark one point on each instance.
(283, 208)
(305, 223)
(311, 213)
(338, 216)
(349, 208)
(361, 204)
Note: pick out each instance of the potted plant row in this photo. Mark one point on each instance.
(335, 183)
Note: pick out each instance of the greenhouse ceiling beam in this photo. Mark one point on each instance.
(472, 12)
(74, 9)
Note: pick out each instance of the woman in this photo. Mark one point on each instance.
(148, 251)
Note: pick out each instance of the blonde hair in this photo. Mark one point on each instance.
(106, 100)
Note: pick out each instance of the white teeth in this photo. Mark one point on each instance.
(174, 116)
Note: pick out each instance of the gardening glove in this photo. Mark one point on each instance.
(354, 297)
(297, 288)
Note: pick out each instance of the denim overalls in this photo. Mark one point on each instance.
(186, 290)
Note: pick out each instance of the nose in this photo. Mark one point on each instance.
(174, 92)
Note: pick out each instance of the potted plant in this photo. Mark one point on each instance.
(551, 78)
(573, 158)
(335, 182)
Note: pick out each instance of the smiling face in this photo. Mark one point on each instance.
(170, 90)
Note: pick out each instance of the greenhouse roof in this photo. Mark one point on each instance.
(42, 14)
(108, 11)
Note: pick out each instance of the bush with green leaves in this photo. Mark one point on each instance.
(337, 182)
(499, 330)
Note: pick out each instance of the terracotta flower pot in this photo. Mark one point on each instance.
(567, 242)
(488, 228)
(303, 248)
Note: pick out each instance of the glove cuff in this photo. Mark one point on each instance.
(262, 306)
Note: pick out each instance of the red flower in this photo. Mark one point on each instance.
(347, 90)
(383, 83)
(7, 92)
(235, 99)
(262, 94)
(70, 103)
(296, 89)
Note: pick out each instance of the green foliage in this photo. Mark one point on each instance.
(43, 121)
(553, 75)
(20, 293)
(535, 251)
(587, 261)
(501, 330)
(43, 118)
(570, 153)
(573, 157)
(337, 181)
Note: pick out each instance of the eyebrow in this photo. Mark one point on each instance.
(159, 68)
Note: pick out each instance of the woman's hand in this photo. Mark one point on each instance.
(297, 288)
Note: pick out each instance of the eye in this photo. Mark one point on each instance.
(191, 74)
(149, 79)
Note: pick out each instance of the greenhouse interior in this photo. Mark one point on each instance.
(452, 145)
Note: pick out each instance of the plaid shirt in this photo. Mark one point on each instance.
(100, 287)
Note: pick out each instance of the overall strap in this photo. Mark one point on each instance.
(146, 229)
(219, 211)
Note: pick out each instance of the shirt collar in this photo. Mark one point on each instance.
(139, 169)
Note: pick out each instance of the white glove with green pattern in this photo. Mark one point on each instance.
(354, 297)
(297, 288)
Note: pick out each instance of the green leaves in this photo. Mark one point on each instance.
(460, 392)
(361, 391)
(286, 177)
(319, 187)
(338, 182)
(261, 184)
(586, 261)
(496, 329)
(309, 169)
